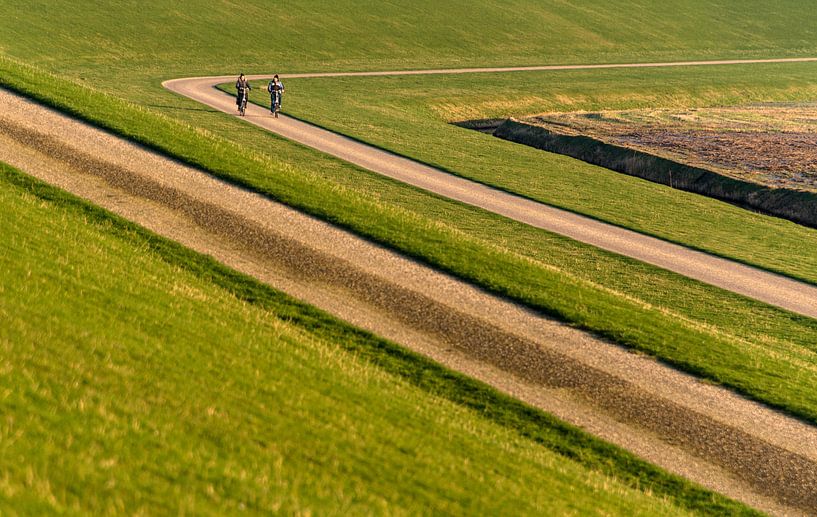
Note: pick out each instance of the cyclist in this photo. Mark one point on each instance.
(243, 88)
(276, 90)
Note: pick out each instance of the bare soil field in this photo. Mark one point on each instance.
(774, 145)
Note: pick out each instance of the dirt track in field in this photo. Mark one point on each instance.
(702, 432)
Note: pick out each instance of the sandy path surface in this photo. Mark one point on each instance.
(705, 433)
(748, 281)
(448, 71)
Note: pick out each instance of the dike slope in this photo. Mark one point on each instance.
(705, 433)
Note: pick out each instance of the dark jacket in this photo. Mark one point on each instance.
(242, 87)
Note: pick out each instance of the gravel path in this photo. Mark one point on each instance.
(702, 432)
(449, 71)
(748, 281)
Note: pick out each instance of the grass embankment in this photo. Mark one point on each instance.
(100, 45)
(410, 115)
(761, 351)
(141, 377)
(127, 50)
(116, 44)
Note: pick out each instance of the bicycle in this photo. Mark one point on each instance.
(276, 103)
(242, 107)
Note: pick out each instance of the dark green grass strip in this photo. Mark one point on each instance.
(432, 378)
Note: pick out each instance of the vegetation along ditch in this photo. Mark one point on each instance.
(796, 205)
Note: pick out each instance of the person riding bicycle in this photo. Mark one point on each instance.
(276, 90)
(243, 88)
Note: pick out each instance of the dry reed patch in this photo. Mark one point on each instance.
(774, 145)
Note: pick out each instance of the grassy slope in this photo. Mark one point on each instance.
(123, 41)
(127, 50)
(198, 390)
(716, 334)
(123, 49)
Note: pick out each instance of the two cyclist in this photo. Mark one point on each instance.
(275, 88)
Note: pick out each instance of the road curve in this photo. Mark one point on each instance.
(755, 283)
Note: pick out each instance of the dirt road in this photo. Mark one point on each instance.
(702, 432)
(748, 281)
(449, 71)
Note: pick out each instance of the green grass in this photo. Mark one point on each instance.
(125, 51)
(140, 377)
(120, 42)
(763, 352)
(410, 115)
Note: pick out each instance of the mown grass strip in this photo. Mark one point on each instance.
(713, 353)
(418, 371)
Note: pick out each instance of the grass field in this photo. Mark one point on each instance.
(124, 52)
(112, 43)
(182, 395)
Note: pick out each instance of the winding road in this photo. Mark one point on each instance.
(752, 282)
